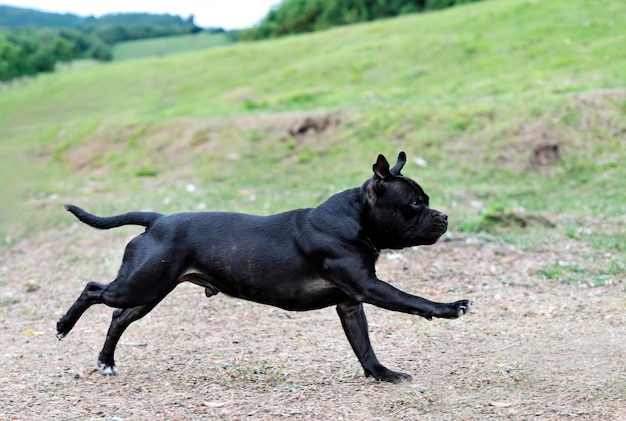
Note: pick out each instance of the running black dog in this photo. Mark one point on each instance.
(299, 260)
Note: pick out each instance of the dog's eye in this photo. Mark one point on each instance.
(415, 203)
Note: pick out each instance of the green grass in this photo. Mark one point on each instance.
(572, 273)
(470, 90)
(563, 271)
(160, 47)
(414, 60)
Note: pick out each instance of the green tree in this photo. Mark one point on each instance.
(100, 51)
(10, 54)
(295, 16)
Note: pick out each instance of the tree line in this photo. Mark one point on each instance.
(32, 41)
(296, 16)
(28, 52)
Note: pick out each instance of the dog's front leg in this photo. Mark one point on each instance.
(355, 325)
(358, 281)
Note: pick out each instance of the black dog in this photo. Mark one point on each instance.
(299, 260)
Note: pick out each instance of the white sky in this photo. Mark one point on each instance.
(228, 14)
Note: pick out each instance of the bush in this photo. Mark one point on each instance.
(296, 16)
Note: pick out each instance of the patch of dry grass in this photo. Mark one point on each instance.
(531, 347)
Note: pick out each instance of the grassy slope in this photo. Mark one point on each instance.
(501, 47)
(157, 47)
(471, 90)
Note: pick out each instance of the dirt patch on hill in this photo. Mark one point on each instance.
(174, 141)
(532, 347)
(540, 143)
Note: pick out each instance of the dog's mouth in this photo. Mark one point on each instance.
(432, 233)
(438, 224)
(438, 227)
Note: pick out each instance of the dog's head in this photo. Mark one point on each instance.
(396, 212)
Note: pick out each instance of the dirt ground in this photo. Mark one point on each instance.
(531, 348)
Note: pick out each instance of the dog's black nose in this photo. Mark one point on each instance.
(443, 216)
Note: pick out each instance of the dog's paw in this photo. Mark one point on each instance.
(455, 310)
(383, 374)
(107, 369)
(463, 307)
(61, 329)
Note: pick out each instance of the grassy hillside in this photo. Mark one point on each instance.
(158, 47)
(480, 93)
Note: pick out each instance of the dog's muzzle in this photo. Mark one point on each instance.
(438, 224)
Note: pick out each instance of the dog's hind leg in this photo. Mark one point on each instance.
(124, 292)
(122, 318)
(91, 295)
(355, 326)
(147, 274)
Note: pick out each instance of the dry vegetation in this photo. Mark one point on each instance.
(532, 348)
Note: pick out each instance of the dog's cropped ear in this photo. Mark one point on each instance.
(398, 167)
(381, 168)
(377, 184)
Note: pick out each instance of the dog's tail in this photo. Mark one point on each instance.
(131, 218)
